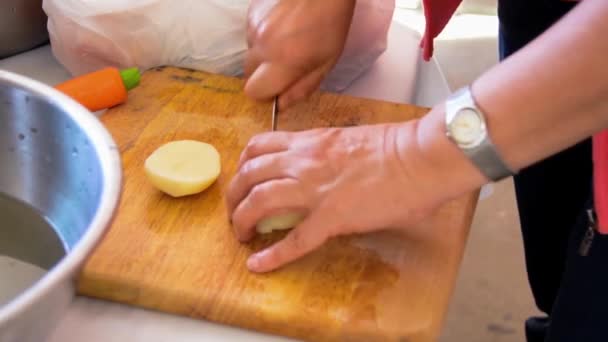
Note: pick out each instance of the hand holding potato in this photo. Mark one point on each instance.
(344, 180)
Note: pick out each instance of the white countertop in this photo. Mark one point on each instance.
(398, 76)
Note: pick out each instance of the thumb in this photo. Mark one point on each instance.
(270, 80)
(302, 89)
(303, 239)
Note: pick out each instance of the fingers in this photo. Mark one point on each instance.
(265, 143)
(306, 237)
(292, 93)
(254, 171)
(264, 200)
(271, 79)
(302, 89)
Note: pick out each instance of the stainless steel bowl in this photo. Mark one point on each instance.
(22, 26)
(58, 158)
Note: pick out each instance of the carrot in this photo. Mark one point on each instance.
(101, 89)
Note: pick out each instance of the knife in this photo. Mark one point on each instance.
(275, 113)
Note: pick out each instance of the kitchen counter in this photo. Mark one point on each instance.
(399, 76)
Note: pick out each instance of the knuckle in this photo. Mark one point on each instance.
(255, 145)
(251, 147)
(307, 168)
(264, 33)
(316, 153)
(260, 195)
(259, 140)
(268, 35)
(248, 170)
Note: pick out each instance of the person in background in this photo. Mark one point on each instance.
(531, 116)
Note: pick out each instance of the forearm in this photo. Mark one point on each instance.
(548, 96)
(552, 93)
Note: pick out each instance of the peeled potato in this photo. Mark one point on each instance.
(183, 167)
(279, 222)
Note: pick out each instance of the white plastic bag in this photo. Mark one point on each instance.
(207, 35)
(367, 40)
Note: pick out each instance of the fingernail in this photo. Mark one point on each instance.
(253, 263)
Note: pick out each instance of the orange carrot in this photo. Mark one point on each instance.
(101, 89)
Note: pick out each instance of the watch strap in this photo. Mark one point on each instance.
(488, 161)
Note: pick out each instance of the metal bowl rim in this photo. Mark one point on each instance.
(111, 171)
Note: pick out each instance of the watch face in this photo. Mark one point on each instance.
(467, 127)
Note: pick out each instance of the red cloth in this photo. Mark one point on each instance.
(600, 179)
(437, 14)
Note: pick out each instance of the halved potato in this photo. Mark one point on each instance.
(279, 222)
(183, 167)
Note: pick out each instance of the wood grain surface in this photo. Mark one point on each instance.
(180, 255)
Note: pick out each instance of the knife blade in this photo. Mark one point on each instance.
(275, 113)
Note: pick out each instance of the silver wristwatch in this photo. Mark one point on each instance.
(466, 127)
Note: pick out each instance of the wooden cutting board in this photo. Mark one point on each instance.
(180, 255)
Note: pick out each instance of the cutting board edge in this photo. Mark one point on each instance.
(241, 81)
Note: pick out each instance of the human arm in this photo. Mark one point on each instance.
(293, 45)
(548, 96)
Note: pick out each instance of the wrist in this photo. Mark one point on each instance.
(443, 165)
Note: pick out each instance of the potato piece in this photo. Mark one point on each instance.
(184, 167)
(279, 222)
